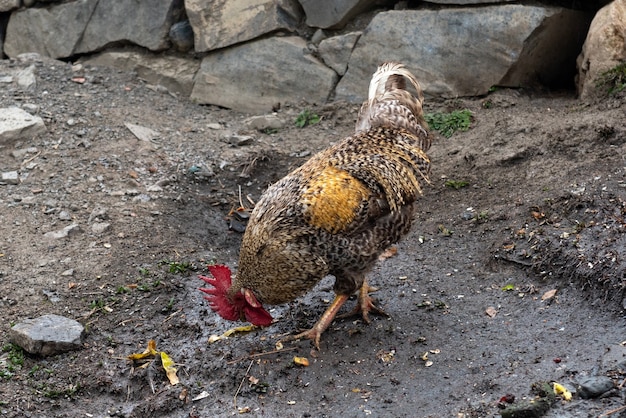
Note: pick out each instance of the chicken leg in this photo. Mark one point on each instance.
(364, 306)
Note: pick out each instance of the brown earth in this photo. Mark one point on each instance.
(544, 209)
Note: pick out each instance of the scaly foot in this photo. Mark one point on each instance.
(320, 326)
(365, 304)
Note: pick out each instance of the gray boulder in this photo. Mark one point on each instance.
(16, 123)
(255, 76)
(221, 23)
(47, 335)
(336, 51)
(604, 48)
(89, 25)
(332, 13)
(465, 51)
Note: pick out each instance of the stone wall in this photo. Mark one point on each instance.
(252, 55)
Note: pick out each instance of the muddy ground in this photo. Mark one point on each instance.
(544, 209)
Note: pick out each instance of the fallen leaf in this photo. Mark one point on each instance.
(508, 287)
(245, 328)
(537, 215)
(170, 370)
(491, 311)
(150, 351)
(201, 395)
(562, 391)
(253, 380)
(301, 361)
(244, 410)
(549, 294)
(385, 356)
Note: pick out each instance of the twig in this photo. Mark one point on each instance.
(240, 201)
(612, 411)
(265, 353)
(172, 315)
(30, 159)
(241, 384)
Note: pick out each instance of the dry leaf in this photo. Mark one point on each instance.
(150, 351)
(562, 391)
(301, 361)
(385, 356)
(170, 370)
(491, 311)
(245, 328)
(549, 294)
(201, 395)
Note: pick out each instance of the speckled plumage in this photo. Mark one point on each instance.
(341, 209)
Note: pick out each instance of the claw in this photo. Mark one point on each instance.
(365, 305)
(320, 326)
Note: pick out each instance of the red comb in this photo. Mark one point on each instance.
(218, 301)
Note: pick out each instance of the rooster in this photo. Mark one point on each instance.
(335, 214)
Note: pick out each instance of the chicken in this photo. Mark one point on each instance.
(335, 214)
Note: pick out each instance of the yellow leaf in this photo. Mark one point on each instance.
(170, 370)
(245, 328)
(150, 351)
(562, 391)
(301, 361)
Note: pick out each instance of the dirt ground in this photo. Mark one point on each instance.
(469, 290)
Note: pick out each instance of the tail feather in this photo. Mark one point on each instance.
(390, 104)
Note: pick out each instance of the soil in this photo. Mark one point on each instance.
(474, 315)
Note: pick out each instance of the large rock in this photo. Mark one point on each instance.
(7, 5)
(89, 25)
(332, 13)
(47, 335)
(174, 73)
(255, 76)
(16, 123)
(604, 48)
(221, 23)
(465, 51)
(336, 51)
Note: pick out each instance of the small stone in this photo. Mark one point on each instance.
(100, 227)
(214, 126)
(181, 35)
(143, 198)
(66, 232)
(16, 123)
(155, 188)
(65, 216)
(240, 140)
(47, 335)
(594, 386)
(21, 153)
(263, 122)
(10, 177)
(98, 213)
(68, 272)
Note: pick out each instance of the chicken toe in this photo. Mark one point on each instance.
(365, 304)
(322, 324)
